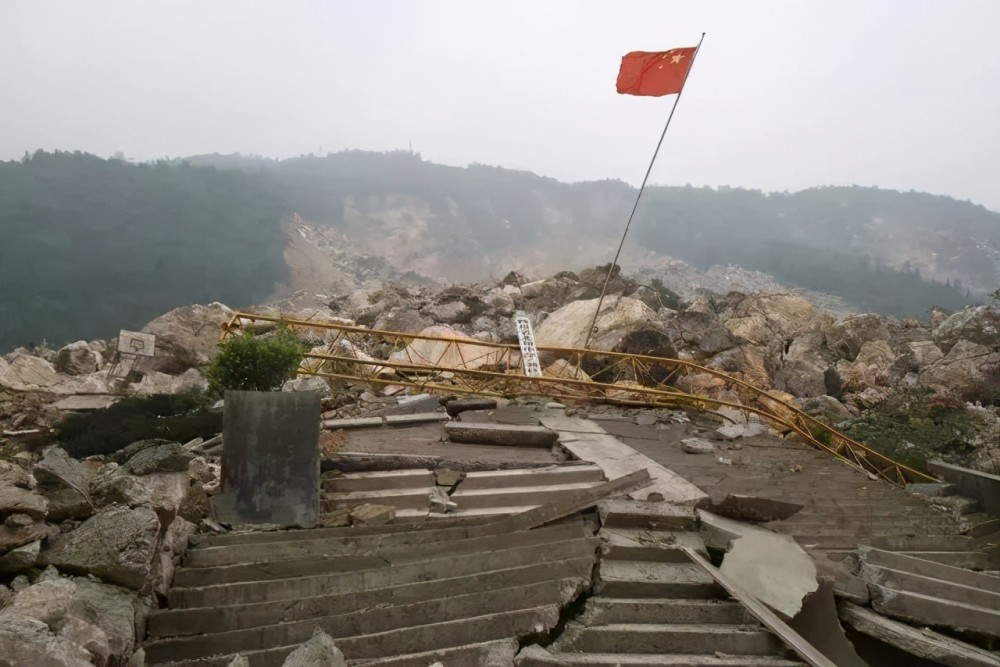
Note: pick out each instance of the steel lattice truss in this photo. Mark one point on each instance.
(466, 366)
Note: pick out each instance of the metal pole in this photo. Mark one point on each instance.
(614, 262)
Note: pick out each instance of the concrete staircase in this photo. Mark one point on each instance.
(485, 493)
(388, 595)
(654, 606)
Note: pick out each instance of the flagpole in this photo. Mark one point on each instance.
(614, 262)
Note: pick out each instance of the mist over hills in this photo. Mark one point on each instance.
(91, 245)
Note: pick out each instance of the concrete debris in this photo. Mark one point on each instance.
(980, 486)
(818, 623)
(457, 407)
(239, 661)
(920, 642)
(159, 457)
(370, 514)
(770, 566)
(448, 478)
(697, 446)
(500, 434)
(747, 430)
(440, 503)
(751, 508)
(84, 403)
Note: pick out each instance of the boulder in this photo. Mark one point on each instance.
(969, 372)
(514, 279)
(27, 641)
(67, 503)
(15, 533)
(761, 319)
(501, 301)
(57, 469)
(78, 359)
(746, 363)
(171, 551)
(14, 499)
(699, 330)
(403, 320)
(453, 312)
(20, 559)
(697, 446)
(319, 650)
(98, 617)
(187, 337)
(117, 544)
(14, 475)
(164, 457)
(444, 354)
(24, 372)
(979, 325)
(870, 367)
(849, 335)
(308, 383)
(825, 408)
(162, 492)
(154, 382)
(619, 318)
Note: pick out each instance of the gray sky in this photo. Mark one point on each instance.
(784, 95)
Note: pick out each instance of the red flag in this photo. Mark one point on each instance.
(655, 73)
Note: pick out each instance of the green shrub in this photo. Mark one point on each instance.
(249, 363)
(179, 417)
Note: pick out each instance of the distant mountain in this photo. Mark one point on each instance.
(91, 245)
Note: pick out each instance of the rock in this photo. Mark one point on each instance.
(211, 526)
(162, 492)
(849, 335)
(27, 373)
(370, 514)
(98, 617)
(646, 419)
(870, 367)
(460, 405)
(239, 661)
(27, 641)
(154, 382)
(979, 325)
(18, 520)
(747, 430)
(308, 383)
(761, 319)
(171, 551)
(128, 451)
(187, 337)
(335, 519)
(78, 359)
(20, 559)
(440, 502)
(57, 469)
(697, 446)
(924, 354)
(19, 583)
(501, 301)
(16, 475)
(319, 651)
(454, 312)
(117, 544)
(84, 403)
(6, 597)
(447, 355)
(14, 499)
(514, 279)
(403, 320)
(620, 317)
(825, 408)
(165, 457)
(800, 378)
(969, 372)
(14, 536)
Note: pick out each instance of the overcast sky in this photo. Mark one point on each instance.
(900, 94)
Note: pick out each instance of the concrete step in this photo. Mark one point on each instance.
(640, 660)
(924, 543)
(332, 542)
(316, 561)
(418, 498)
(378, 481)
(900, 580)
(671, 639)
(260, 537)
(644, 579)
(418, 639)
(603, 610)
(624, 513)
(968, 560)
(506, 435)
(928, 568)
(500, 652)
(442, 609)
(505, 479)
(178, 622)
(657, 546)
(448, 565)
(834, 541)
(516, 496)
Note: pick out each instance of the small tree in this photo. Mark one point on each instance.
(248, 363)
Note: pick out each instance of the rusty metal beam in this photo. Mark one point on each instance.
(469, 366)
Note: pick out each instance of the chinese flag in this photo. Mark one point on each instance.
(654, 74)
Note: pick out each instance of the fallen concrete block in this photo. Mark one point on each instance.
(500, 434)
(919, 642)
(697, 446)
(819, 624)
(457, 407)
(440, 503)
(748, 430)
(370, 514)
(924, 610)
(931, 489)
(752, 508)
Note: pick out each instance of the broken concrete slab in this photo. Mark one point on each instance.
(448, 478)
(742, 430)
(980, 486)
(589, 442)
(927, 568)
(509, 435)
(924, 610)
(770, 566)
(753, 508)
(355, 422)
(624, 513)
(412, 478)
(922, 642)
(697, 446)
(418, 418)
(457, 407)
(370, 514)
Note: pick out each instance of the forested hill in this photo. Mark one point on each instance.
(92, 245)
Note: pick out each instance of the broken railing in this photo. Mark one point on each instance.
(437, 364)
